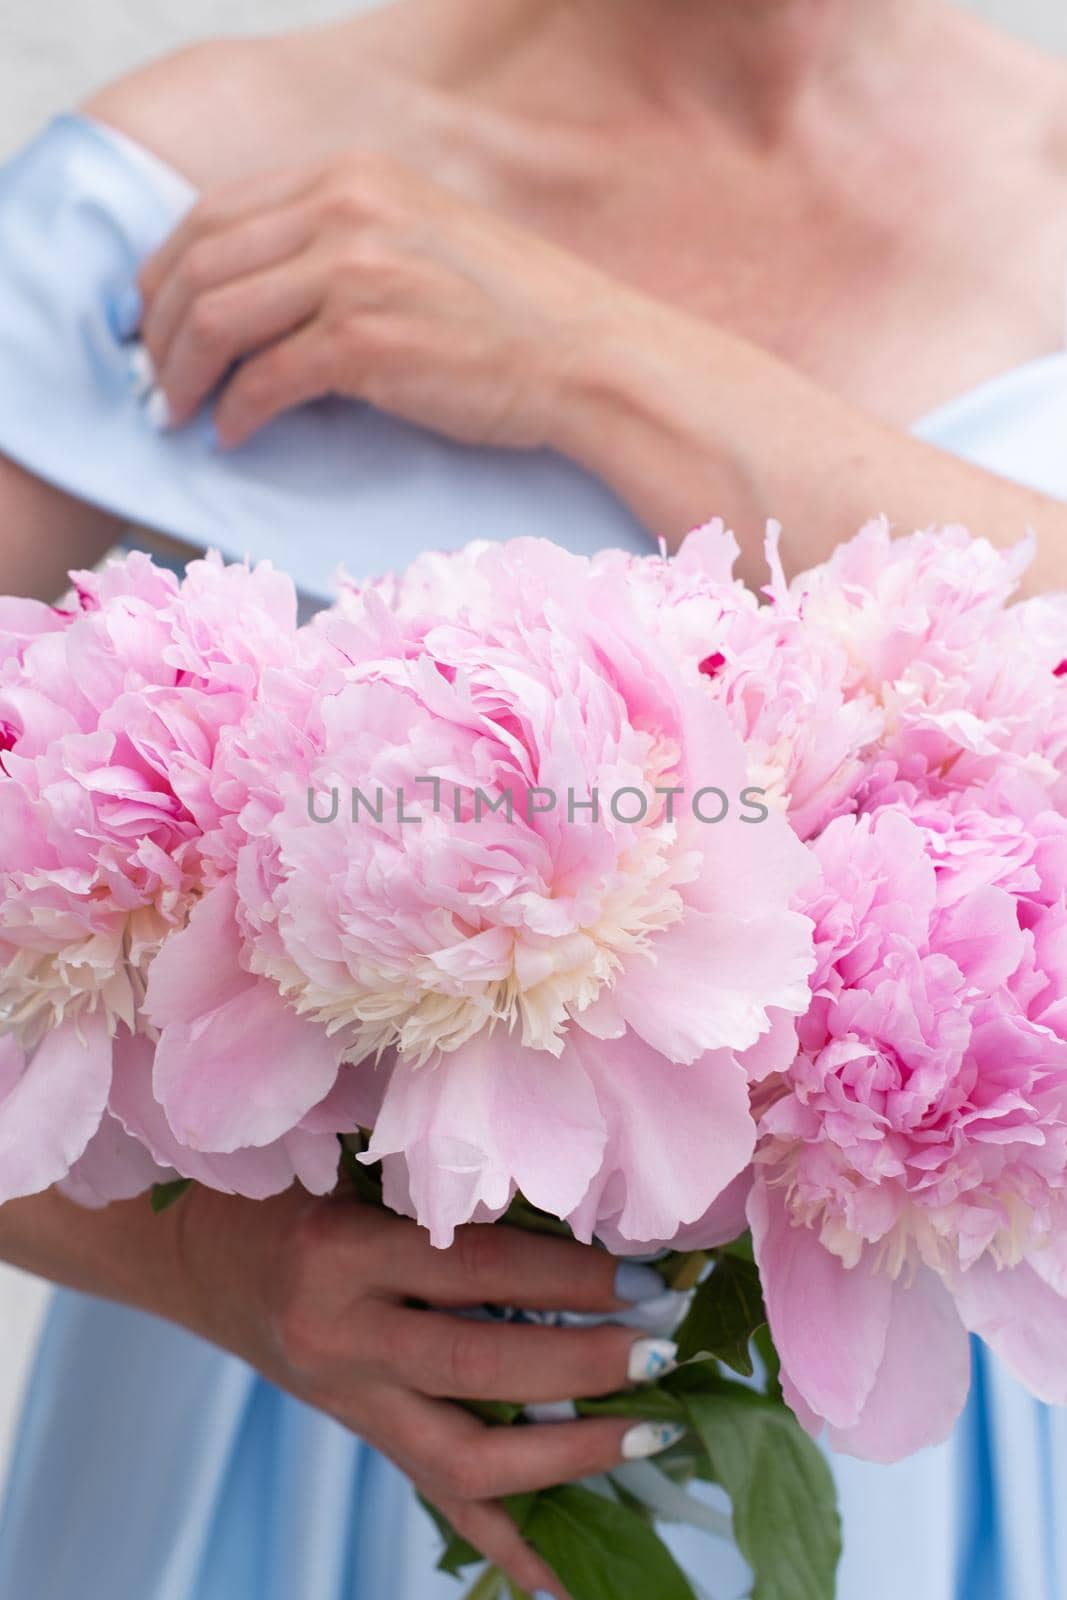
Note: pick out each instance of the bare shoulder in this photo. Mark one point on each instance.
(230, 107)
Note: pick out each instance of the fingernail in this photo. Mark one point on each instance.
(650, 1439)
(542, 1594)
(125, 311)
(635, 1282)
(141, 370)
(157, 410)
(211, 437)
(651, 1359)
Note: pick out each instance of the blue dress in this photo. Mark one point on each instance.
(150, 1466)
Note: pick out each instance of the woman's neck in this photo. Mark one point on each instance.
(751, 61)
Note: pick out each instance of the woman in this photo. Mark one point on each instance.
(599, 269)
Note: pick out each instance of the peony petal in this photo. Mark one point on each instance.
(245, 1074)
(724, 1221)
(677, 1137)
(115, 1166)
(923, 1380)
(235, 1066)
(1022, 1319)
(52, 1104)
(477, 1123)
(714, 981)
(199, 968)
(829, 1323)
(256, 1174)
(355, 1101)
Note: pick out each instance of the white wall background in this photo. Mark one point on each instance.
(52, 54)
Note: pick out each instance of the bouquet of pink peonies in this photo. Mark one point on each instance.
(597, 896)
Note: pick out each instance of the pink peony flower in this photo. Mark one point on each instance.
(112, 711)
(968, 684)
(785, 687)
(911, 1180)
(559, 1001)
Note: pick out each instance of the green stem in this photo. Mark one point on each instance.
(490, 1586)
(685, 1270)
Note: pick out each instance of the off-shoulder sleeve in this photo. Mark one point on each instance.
(331, 483)
(80, 209)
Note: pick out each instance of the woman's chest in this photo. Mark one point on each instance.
(897, 288)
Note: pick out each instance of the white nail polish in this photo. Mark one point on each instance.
(651, 1359)
(157, 410)
(650, 1439)
(142, 371)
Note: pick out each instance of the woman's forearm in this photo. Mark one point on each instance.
(124, 1252)
(685, 422)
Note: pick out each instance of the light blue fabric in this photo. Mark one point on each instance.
(151, 1466)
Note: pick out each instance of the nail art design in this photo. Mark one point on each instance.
(635, 1282)
(650, 1439)
(651, 1359)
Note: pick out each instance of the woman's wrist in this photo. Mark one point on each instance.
(665, 410)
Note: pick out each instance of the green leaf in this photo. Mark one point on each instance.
(784, 1504)
(165, 1195)
(726, 1312)
(457, 1554)
(600, 1549)
(772, 1363)
(650, 1403)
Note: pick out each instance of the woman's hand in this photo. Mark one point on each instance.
(316, 1295)
(364, 279)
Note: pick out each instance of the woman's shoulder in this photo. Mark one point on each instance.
(228, 107)
(202, 110)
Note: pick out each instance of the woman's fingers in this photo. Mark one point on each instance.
(215, 260)
(460, 1458)
(489, 1529)
(499, 1265)
(287, 374)
(460, 1359)
(223, 208)
(250, 314)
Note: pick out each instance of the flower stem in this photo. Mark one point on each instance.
(684, 1272)
(490, 1586)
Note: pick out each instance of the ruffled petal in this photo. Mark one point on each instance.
(923, 1380)
(677, 1137)
(830, 1323)
(714, 981)
(1022, 1319)
(255, 1173)
(51, 1104)
(115, 1166)
(235, 1066)
(480, 1122)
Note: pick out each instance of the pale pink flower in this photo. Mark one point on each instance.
(911, 1181)
(111, 712)
(552, 994)
(968, 683)
(785, 687)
